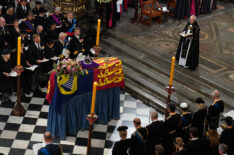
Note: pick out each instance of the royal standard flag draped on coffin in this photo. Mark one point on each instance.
(110, 74)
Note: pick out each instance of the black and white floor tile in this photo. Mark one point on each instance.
(18, 134)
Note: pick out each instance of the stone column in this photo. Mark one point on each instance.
(91, 7)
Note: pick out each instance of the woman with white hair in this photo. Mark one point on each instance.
(57, 18)
(187, 54)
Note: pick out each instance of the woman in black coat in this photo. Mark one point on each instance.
(199, 116)
(5, 70)
(121, 147)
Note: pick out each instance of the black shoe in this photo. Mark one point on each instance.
(38, 93)
(27, 91)
(8, 104)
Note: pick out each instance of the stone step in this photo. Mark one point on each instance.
(157, 72)
(164, 59)
(154, 81)
(143, 95)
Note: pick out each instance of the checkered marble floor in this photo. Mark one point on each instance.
(18, 134)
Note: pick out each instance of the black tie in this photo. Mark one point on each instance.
(39, 48)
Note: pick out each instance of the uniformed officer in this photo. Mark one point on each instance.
(186, 118)
(138, 138)
(76, 43)
(69, 24)
(215, 109)
(50, 148)
(172, 128)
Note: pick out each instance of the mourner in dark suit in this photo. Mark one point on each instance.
(52, 32)
(199, 116)
(50, 148)
(35, 57)
(197, 145)
(4, 34)
(227, 135)
(22, 9)
(14, 34)
(10, 17)
(155, 133)
(121, 147)
(6, 3)
(215, 109)
(50, 53)
(59, 44)
(75, 45)
(138, 138)
(186, 118)
(36, 10)
(179, 144)
(40, 31)
(41, 19)
(172, 128)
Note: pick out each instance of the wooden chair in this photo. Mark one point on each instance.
(171, 6)
(149, 10)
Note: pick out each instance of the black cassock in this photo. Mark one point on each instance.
(182, 9)
(206, 6)
(188, 50)
(121, 147)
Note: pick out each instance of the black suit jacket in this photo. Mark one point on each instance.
(58, 47)
(35, 54)
(155, 132)
(20, 13)
(75, 44)
(53, 149)
(155, 136)
(197, 147)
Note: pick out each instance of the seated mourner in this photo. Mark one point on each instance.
(5, 70)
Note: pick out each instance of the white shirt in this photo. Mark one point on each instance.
(24, 7)
(78, 37)
(194, 139)
(38, 46)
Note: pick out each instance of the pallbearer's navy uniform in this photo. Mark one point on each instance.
(172, 130)
(214, 110)
(186, 118)
(51, 149)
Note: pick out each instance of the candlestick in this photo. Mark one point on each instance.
(93, 97)
(172, 71)
(19, 52)
(98, 32)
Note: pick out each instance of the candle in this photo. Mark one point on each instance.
(172, 71)
(19, 51)
(98, 32)
(93, 97)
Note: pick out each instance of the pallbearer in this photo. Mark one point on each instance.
(187, 54)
